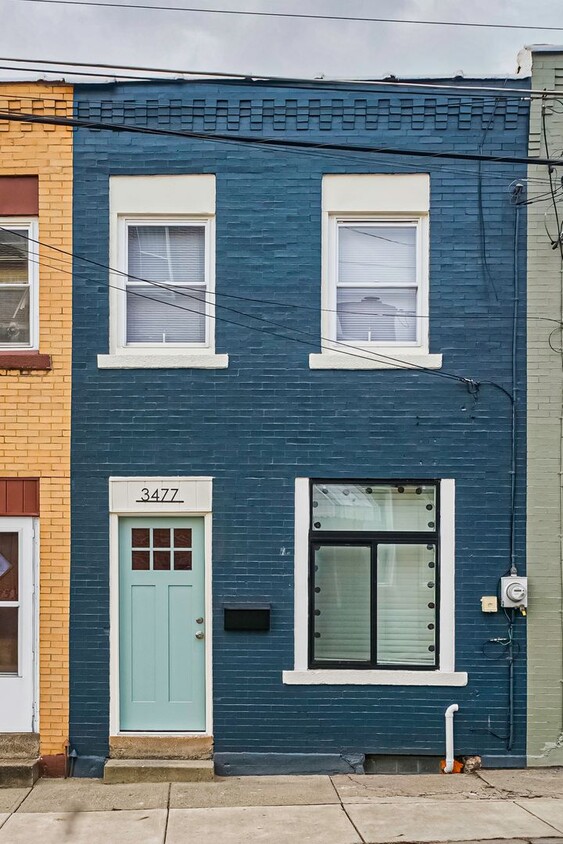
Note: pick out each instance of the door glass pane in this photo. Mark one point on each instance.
(376, 254)
(341, 603)
(161, 560)
(406, 604)
(8, 566)
(8, 640)
(382, 314)
(353, 507)
(140, 560)
(140, 537)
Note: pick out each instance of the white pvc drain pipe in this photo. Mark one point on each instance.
(449, 717)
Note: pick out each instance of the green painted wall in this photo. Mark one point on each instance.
(545, 446)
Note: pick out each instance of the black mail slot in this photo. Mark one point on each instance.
(247, 617)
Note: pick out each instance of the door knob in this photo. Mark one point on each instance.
(200, 634)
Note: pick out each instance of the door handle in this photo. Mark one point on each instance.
(200, 634)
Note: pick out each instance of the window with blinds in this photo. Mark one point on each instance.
(377, 295)
(16, 277)
(374, 574)
(167, 286)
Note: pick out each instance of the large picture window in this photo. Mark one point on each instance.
(374, 559)
(18, 283)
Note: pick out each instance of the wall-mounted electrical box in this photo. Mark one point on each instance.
(514, 591)
(489, 603)
(247, 617)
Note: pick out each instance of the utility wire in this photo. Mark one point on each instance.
(22, 117)
(347, 350)
(300, 16)
(425, 89)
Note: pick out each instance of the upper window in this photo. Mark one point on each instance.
(377, 282)
(375, 285)
(167, 283)
(162, 277)
(374, 553)
(18, 285)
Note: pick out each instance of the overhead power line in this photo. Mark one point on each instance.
(301, 15)
(347, 84)
(285, 143)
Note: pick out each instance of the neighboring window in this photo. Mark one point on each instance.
(378, 284)
(18, 285)
(167, 287)
(373, 550)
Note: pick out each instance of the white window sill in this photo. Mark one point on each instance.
(352, 677)
(187, 360)
(367, 359)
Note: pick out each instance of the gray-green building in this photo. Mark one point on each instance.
(545, 416)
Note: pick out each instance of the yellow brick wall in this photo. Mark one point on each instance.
(35, 406)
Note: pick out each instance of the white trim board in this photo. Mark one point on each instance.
(201, 486)
(445, 675)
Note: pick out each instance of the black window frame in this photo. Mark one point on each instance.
(373, 539)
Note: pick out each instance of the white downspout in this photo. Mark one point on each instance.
(449, 716)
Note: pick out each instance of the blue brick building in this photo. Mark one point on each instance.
(292, 442)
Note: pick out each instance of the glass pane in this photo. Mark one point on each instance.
(140, 537)
(168, 254)
(8, 640)
(14, 315)
(341, 613)
(8, 566)
(374, 507)
(161, 537)
(406, 605)
(165, 316)
(182, 537)
(14, 256)
(382, 314)
(141, 560)
(161, 560)
(183, 560)
(376, 254)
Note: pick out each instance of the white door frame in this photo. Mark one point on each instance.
(27, 528)
(124, 501)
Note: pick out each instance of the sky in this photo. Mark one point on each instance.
(280, 47)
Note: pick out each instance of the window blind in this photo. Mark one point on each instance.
(173, 256)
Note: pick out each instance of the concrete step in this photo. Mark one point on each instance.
(18, 773)
(158, 770)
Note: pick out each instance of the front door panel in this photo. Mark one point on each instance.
(17, 665)
(162, 603)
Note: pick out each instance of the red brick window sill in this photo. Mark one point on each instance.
(25, 361)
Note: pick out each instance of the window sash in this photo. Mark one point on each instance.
(373, 540)
(419, 283)
(139, 286)
(30, 284)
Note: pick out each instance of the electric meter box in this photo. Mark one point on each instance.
(514, 591)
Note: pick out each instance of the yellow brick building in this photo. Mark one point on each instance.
(35, 396)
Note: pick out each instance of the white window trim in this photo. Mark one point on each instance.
(373, 198)
(160, 199)
(444, 675)
(32, 226)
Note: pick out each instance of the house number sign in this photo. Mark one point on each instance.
(150, 494)
(160, 495)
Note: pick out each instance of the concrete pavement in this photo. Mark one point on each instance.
(503, 807)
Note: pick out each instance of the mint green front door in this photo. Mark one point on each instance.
(161, 624)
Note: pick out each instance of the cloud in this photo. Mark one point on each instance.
(280, 47)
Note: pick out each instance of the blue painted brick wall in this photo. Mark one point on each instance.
(268, 418)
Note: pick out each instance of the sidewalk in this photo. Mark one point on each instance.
(505, 806)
